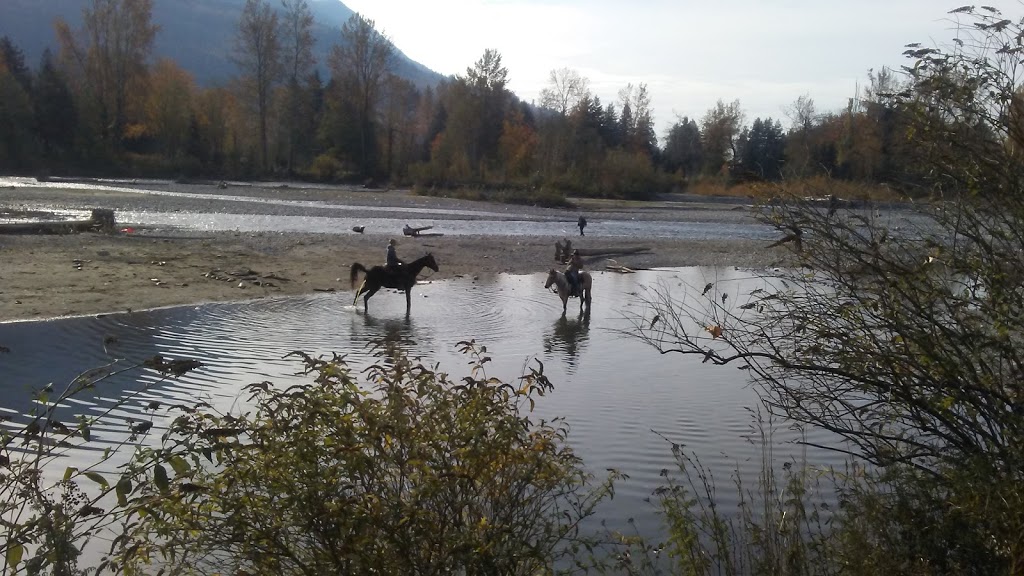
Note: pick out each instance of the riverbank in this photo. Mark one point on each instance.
(52, 276)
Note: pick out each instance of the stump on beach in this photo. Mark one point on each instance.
(103, 220)
(563, 251)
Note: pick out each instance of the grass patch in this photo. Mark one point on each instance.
(545, 198)
(813, 187)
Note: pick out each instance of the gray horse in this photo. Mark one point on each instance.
(562, 285)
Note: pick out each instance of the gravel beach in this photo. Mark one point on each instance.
(48, 276)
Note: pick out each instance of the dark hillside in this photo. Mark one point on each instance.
(197, 34)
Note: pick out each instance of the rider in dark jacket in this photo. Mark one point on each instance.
(572, 272)
(393, 262)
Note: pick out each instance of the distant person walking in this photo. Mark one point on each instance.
(582, 223)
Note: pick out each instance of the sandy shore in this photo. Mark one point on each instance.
(53, 276)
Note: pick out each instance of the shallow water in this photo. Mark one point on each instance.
(613, 390)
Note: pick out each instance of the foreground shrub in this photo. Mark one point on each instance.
(418, 474)
(49, 517)
(902, 335)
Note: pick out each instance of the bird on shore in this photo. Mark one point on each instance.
(833, 205)
(794, 237)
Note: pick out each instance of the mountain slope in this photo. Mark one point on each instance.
(197, 34)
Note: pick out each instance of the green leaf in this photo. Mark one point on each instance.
(181, 468)
(97, 478)
(14, 554)
(160, 477)
(69, 472)
(123, 488)
(83, 427)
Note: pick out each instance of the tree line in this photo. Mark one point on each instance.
(99, 105)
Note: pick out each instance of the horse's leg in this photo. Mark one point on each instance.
(408, 300)
(366, 297)
(565, 300)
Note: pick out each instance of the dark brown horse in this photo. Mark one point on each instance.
(401, 278)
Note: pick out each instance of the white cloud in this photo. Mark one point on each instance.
(690, 53)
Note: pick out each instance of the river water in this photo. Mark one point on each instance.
(617, 394)
(158, 204)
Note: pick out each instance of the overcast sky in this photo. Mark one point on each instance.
(690, 53)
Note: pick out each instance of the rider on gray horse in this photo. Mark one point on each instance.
(572, 273)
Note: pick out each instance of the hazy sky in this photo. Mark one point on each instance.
(690, 53)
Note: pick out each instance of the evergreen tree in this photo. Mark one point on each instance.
(56, 116)
(637, 122)
(17, 141)
(763, 150)
(13, 60)
(683, 149)
(610, 131)
(487, 81)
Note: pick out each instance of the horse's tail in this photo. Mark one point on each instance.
(356, 269)
(358, 292)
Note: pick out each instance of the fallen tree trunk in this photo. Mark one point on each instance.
(564, 251)
(605, 251)
(614, 266)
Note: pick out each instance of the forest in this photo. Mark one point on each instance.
(98, 105)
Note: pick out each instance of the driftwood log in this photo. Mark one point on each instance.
(102, 221)
(410, 231)
(613, 266)
(564, 251)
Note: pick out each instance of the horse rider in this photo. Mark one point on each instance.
(582, 223)
(572, 272)
(393, 262)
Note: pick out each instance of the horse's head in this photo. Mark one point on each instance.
(551, 278)
(430, 262)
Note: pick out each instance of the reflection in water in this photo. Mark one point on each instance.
(568, 337)
(392, 332)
